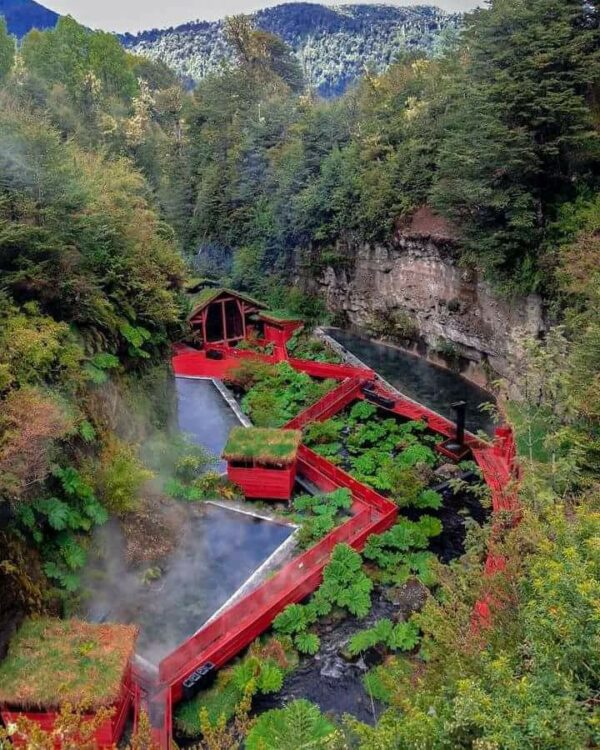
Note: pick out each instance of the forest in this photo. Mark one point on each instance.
(118, 185)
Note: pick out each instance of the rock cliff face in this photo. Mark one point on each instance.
(412, 290)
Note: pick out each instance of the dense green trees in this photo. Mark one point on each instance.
(7, 50)
(520, 137)
(496, 134)
(89, 287)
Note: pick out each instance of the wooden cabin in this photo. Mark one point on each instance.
(262, 461)
(52, 662)
(223, 316)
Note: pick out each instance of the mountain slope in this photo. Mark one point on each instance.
(333, 44)
(24, 15)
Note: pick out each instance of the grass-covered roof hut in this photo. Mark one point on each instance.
(52, 662)
(262, 461)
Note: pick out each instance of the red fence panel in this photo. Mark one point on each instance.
(246, 619)
(327, 370)
(332, 403)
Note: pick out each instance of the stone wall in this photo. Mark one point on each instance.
(456, 318)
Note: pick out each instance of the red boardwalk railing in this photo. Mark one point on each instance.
(223, 638)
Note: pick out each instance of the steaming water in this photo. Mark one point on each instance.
(204, 415)
(420, 380)
(217, 551)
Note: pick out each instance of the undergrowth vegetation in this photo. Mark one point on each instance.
(261, 671)
(276, 394)
(319, 514)
(345, 585)
(382, 452)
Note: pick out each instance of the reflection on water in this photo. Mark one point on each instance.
(204, 415)
(217, 551)
(418, 379)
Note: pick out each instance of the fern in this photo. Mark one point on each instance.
(429, 499)
(417, 454)
(291, 621)
(307, 643)
(381, 632)
(404, 637)
(362, 411)
(57, 512)
(298, 726)
(136, 337)
(270, 679)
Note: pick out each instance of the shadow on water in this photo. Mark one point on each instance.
(204, 415)
(420, 380)
(218, 549)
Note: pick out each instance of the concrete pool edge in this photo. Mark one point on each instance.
(225, 394)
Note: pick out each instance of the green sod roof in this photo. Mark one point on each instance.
(262, 445)
(280, 316)
(51, 662)
(206, 296)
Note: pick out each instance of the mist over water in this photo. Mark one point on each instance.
(217, 550)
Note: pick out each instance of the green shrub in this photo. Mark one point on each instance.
(120, 477)
(317, 433)
(307, 643)
(54, 524)
(401, 551)
(403, 636)
(277, 394)
(319, 514)
(258, 672)
(298, 726)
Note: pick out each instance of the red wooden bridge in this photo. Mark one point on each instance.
(231, 632)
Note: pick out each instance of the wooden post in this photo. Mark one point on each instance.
(224, 319)
(204, 314)
(242, 309)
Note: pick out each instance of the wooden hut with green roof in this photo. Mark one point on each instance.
(262, 461)
(52, 662)
(223, 316)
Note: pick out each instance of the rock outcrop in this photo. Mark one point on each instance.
(414, 290)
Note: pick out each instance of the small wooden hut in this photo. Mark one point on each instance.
(262, 461)
(53, 662)
(223, 316)
(278, 327)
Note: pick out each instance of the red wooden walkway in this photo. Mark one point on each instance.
(220, 640)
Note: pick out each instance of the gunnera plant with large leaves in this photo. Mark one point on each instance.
(345, 585)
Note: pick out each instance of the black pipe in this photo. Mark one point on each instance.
(461, 414)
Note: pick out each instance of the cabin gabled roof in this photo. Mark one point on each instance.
(206, 296)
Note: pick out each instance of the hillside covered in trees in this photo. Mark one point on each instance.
(115, 182)
(334, 45)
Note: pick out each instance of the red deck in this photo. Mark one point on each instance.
(223, 638)
(372, 513)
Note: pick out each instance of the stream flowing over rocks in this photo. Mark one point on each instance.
(332, 678)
